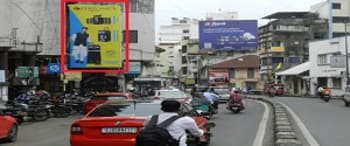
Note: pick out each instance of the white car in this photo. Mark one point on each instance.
(347, 96)
(172, 94)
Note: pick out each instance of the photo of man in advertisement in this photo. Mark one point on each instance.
(80, 41)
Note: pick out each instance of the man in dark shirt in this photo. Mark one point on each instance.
(80, 42)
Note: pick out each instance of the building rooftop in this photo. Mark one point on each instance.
(284, 15)
(248, 61)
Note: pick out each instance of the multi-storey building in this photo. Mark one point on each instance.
(30, 37)
(283, 42)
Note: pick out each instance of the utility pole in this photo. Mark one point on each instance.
(346, 54)
(330, 19)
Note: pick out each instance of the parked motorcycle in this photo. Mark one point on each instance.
(33, 108)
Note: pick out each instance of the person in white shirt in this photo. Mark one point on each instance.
(212, 97)
(178, 128)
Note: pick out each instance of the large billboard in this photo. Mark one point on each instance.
(218, 77)
(238, 35)
(95, 36)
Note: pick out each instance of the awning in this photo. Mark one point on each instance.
(296, 70)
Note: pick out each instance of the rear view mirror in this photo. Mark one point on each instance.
(210, 125)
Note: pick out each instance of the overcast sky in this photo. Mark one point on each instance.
(247, 9)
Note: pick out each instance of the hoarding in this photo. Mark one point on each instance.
(53, 68)
(338, 61)
(218, 77)
(95, 36)
(238, 35)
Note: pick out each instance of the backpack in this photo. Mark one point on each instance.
(157, 135)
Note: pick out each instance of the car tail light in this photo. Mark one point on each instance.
(76, 129)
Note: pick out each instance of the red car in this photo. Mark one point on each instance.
(113, 124)
(101, 98)
(8, 127)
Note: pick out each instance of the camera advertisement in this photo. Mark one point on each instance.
(95, 36)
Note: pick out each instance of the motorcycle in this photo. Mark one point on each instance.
(33, 108)
(326, 96)
(200, 141)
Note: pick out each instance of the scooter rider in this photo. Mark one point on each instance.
(236, 96)
(212, 97)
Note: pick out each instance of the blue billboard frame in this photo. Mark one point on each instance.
(237, 35)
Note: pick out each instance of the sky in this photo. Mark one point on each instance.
(247, 9)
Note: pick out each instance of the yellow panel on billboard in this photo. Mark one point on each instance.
(95, 36)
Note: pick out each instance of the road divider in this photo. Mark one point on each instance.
(284, 129)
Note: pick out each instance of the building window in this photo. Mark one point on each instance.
(184, 60)
(186, 31)
(336, 5)
(186, 38)
(232, 73)
(184, 70)
(340, 19)
(277, 60)
(133, 36)
(184, 49)
(336, 83)
(294, 60)
(276, 44)
(142, 6)
(251, 73)
(322, 59)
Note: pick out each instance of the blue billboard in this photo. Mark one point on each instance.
(238, 35)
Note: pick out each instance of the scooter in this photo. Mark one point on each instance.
(326, 96)
(235, 105)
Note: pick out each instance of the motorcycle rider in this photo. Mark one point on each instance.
(213, 98)
(323, 91)
(200, 102)
(235, 96)
(179, 127)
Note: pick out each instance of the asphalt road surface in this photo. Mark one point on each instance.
(232, 129)
(53, 132)
(237, 129)
(329, 123)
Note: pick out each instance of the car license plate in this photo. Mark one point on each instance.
(117, 130)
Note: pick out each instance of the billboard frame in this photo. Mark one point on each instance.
(63, 39)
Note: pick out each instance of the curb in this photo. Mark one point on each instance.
(285, 134)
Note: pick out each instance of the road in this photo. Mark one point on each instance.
(329, 123)
(239, 129)
(53, 132)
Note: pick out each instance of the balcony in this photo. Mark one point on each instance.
(262, 50)
(277, 49)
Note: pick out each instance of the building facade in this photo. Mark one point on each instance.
(283, 42)
(340, 12)
(243, 72)
(30, 37)
(328, 65)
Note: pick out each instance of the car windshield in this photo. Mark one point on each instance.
(171, 94)
(116, 97)
(130, 109)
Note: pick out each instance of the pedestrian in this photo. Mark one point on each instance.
(175, 125)
(80, 43)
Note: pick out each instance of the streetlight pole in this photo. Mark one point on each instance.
(346, 55)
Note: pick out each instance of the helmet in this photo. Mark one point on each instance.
(234, 90)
